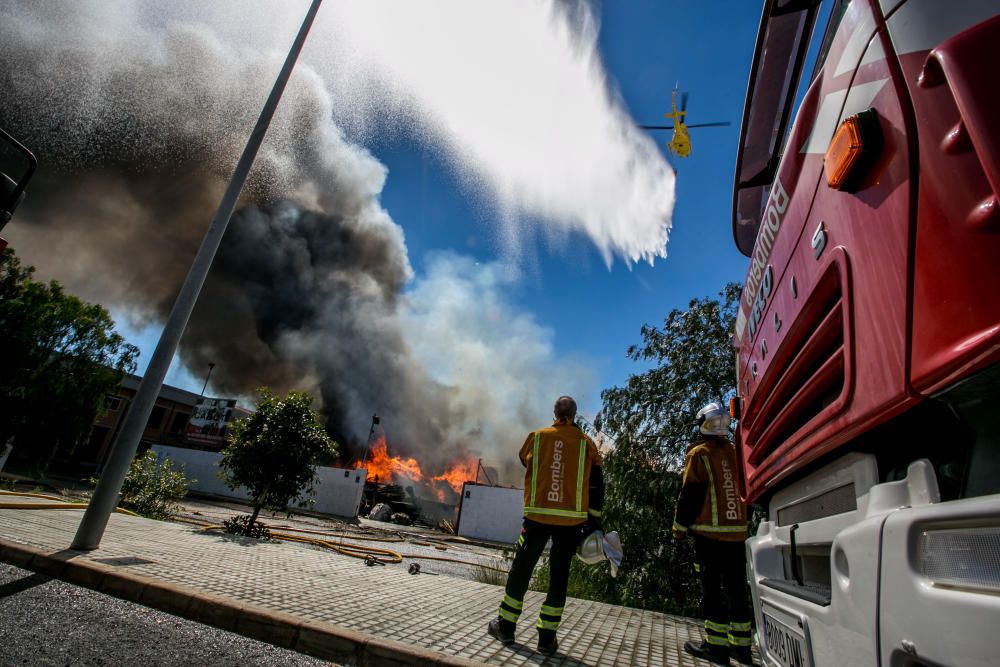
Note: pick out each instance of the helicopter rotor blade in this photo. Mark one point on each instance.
(657, 127)
(684, 101)
(725, 124)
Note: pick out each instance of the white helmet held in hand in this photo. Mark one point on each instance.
(597, 547)
(591, 550)
(713, 419)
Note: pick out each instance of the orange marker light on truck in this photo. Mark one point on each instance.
(853, 147)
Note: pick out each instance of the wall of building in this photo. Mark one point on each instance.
(338, 491)
(201, 467)
(165, 425)
(490, 513)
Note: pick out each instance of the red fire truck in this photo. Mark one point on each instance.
(868, 336)
(12, 192)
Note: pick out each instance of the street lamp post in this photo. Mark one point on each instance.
(95, 518)
(205, 386)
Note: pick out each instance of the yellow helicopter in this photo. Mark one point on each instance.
(680, 142)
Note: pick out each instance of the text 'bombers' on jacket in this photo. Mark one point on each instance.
(563, 480)
(709, 504)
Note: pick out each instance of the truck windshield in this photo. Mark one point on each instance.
(780, 55)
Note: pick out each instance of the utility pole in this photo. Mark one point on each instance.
(205, 386)
(95, 518)
(368, 444)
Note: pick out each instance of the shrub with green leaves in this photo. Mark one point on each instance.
(152, 487)
(242, 525)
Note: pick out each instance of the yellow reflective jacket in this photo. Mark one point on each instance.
(558, 461)
(709, 504)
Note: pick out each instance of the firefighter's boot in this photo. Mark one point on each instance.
(547, 642)
(717, 655)
(741, 654)
(501, 630)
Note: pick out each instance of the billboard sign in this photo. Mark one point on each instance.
(207, 425)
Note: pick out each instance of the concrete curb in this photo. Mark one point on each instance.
(322, 640)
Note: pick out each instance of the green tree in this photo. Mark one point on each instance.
(650, 420)
(274, 451)
(61, 356)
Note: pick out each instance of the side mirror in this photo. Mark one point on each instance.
(12, 191)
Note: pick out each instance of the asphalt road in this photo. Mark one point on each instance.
(45, 622)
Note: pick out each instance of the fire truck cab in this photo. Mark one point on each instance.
(867, 197)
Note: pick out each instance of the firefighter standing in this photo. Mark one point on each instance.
(709, 509)
(563, 490)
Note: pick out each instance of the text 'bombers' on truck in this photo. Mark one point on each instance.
(868, 336)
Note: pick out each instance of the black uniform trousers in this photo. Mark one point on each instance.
(528, 550)
(721, 567)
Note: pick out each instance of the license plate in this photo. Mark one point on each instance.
(785, 645)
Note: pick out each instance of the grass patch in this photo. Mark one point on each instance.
(496, 571)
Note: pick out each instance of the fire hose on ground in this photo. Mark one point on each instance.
(369, 554)
(59, 504)
(372, 555)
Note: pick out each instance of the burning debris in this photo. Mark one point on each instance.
(386, 469)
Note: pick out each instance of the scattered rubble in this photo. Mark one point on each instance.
(381, 512)
(402, 519)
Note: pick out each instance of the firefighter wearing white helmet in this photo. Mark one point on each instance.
(710, 511)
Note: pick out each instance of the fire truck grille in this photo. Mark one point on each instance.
(807, 374)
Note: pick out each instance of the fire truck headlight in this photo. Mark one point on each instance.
(966, 558)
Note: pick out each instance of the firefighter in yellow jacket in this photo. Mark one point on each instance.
(709, 509)
(563, 497)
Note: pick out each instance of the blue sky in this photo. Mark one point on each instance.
(595, 312)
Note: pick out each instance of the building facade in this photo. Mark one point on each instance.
(167, 424)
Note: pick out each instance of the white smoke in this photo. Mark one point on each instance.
(502, 359)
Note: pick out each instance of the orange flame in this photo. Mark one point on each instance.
(389, 468)
(459, 472)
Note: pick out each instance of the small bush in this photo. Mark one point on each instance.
(243, 525)
(151, 488)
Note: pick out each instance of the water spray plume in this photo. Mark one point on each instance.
(518, 94)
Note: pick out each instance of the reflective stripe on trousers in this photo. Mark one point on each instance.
(717, 633)
(739, 634)
(549, 618)
(510, 608)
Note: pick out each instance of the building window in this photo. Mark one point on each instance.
(156, 417)
(179, 422)
(112, 403)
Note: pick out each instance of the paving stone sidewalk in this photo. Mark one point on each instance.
(327, 604)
